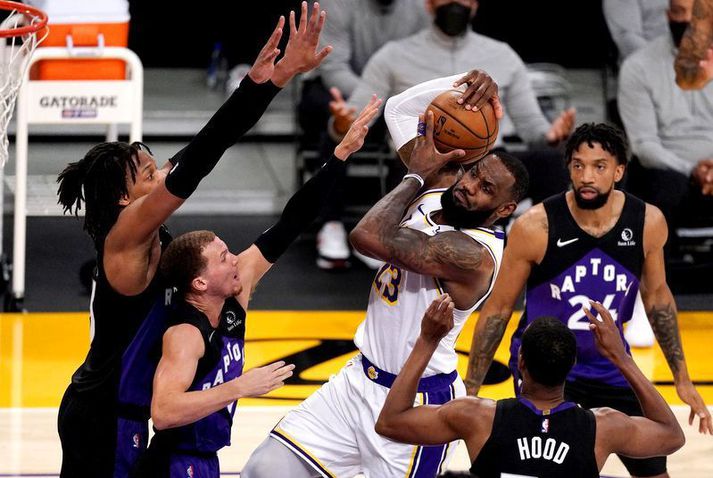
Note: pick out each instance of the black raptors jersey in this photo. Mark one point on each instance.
(527, 442)
(115, 319)
(578, 267)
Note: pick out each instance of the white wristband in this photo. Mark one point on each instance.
(416, 177)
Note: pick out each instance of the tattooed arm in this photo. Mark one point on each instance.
(661, 310)
(450, 256)
(693, 63)
(527, 243)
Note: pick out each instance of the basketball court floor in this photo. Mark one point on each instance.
(299, 313)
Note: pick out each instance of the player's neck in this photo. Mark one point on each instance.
(542, 397)
(211, 307)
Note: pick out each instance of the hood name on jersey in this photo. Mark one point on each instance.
(532, 448)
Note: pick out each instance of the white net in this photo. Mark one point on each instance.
(15, 53)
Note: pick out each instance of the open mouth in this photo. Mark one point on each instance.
(588, 193)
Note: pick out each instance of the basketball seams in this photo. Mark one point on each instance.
(461, 123)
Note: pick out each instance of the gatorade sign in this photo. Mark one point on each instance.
(54, 102)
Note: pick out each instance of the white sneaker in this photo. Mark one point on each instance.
(370, 262)
(638, 330)
(332, 247)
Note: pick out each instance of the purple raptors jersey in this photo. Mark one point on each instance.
(578, 267)
(222, 362)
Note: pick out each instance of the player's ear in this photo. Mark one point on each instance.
(199, 284)
(124, 200)
(619, 172)
(506, 210)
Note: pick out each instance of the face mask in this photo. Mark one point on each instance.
(385, 3)
(452, 19)
(677, 31)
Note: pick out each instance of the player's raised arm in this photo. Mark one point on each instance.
(451, 256)
(430, 424)
(526, 245)
(657, 432)
(303, 207)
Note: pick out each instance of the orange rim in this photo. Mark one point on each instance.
(27, 10)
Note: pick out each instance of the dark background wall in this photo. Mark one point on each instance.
(178, 33)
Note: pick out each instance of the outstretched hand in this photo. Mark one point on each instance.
(354, 139)
(264, 65)
(438, 319)
(301, 53)
(425, 158)
(690, 396)
(261, 380)
(481, 89)
(606, 333)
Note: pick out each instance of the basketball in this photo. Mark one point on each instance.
(458, 128)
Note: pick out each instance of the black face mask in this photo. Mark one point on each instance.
(457, 216)
(452, 18)
(677, 31)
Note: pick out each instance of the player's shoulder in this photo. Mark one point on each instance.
(532, 222)
(472, 412)
(653, 217)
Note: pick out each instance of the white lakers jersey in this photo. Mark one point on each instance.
(399, 298)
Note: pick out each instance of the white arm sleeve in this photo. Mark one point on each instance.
(401, 111)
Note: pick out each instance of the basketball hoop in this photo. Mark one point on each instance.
(20, 32)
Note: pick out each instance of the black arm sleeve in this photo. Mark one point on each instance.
(302, 208)
(237, 115)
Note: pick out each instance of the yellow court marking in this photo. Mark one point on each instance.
(40, 351)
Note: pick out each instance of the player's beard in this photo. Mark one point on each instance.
(458, 216)
(595, 203)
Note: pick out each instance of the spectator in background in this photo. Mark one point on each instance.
(633, 23)
(449, 47)
(694, 62)
(670, 130)
(356, 29)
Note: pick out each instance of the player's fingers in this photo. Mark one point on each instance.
(462, 80)
(429, 126)
(691, 416)
(314, 18)
(303, 18)
(276, 34)
(293, 27)
(603, 312)
(452, 155)
(283, 375)
(274, 366)
(497, 107)
(320, 23)
(323, 54)
(591, 317)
